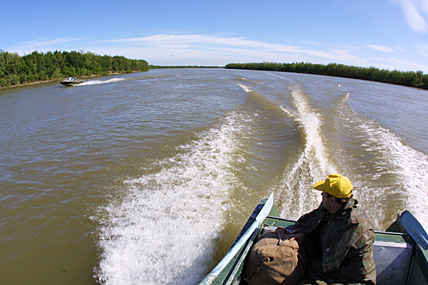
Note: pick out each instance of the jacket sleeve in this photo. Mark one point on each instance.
(308, 222)
(358, 266)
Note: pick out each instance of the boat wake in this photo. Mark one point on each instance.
(166, 227)
(389, 176)
(96, 82)
(405, 168)
(246, 88)
(311, 165)
(364, 151)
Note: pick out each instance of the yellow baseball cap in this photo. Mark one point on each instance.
(336, 185)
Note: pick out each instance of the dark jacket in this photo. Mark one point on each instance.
(339, 247)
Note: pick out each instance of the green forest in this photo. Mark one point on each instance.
(37, 66)
(181, 66)
(15, 69)
(408, 78)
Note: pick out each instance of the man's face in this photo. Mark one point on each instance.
(326, 201)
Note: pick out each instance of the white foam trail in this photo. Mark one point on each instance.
(288, 112)
(312, 164)
(165, 229)
(246, 88)
(310, 122)
(407, 164)
(95, 82)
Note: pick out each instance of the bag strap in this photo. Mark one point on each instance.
(281, 234)
(251, 277)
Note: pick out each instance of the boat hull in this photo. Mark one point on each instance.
(71, 82)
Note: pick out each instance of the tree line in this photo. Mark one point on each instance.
(37, 66)
(408, 78)
(181, 66)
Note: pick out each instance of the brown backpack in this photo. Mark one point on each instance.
(274, 259)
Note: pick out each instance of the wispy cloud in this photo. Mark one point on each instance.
(411, 65)
(380, 48)
(221, 49)
(41, 44)
(198, 40)
(422, 49)
(413, 10)
(220, 46)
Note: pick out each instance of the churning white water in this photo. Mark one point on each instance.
(168, 223)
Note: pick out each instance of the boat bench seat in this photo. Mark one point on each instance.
(392, 262)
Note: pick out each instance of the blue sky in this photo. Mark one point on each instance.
(390, 34)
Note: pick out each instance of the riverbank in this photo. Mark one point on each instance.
(182, 66)
(36, 68)
(58, 80)
(27, 84)
(42, 81)
(408, 78)
(99, 75)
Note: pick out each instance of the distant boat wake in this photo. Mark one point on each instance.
(96, 82)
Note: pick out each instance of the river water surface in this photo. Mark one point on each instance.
(147, 178)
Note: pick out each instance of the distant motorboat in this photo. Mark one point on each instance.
(70, 81)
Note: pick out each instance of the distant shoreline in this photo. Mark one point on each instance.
(58, 80)
(422, 78)
(181, 66)
(99, 75)
(38, 68)
(409, 78)
(28, 83)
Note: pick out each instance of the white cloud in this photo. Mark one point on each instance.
(422, 49)
(424, 5)
(229, 48)
(380, 48)
(199, 41)
(218, 49)
(221, 49)
(415, 19)
(41, 45)
(412, 66)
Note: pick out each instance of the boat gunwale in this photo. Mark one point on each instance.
(255, 222)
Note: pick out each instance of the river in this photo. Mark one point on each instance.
(146, 178)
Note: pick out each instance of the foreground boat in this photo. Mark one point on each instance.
(400, 253)
(71, 81)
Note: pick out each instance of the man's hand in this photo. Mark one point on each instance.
(299, 237)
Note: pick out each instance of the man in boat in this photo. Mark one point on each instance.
(337, 238)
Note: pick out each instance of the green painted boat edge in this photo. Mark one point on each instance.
(247, 234)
